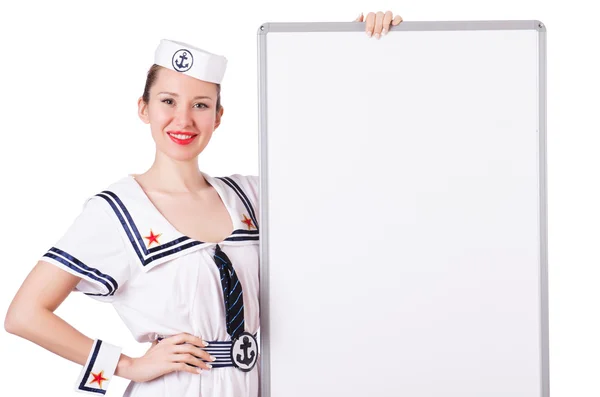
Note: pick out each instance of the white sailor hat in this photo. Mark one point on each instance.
(190, 60)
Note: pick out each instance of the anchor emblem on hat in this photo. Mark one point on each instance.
(179, 60)
(180, 63)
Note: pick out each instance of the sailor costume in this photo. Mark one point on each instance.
(162, 282)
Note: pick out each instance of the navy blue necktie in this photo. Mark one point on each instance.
(232, 292)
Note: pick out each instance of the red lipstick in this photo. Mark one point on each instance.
(181, 137)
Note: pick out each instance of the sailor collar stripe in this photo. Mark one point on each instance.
(231, 183)
(150, 257)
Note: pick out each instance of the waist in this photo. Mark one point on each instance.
(224, 351)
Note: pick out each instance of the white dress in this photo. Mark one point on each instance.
(162, 282)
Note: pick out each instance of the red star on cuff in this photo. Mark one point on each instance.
(98, 378)
(153, 238)
(248, 222)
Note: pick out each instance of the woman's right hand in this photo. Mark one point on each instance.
(176, 353)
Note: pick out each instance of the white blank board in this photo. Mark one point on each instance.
(403, 208)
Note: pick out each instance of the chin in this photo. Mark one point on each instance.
(182, 155)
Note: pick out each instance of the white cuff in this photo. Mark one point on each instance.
(99, 368)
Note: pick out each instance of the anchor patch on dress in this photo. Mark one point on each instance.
(248, 222)
(244, 352)
(98, 378)
(153, 238)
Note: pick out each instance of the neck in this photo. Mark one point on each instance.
(174, 176)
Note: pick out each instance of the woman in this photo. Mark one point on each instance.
(143, 233)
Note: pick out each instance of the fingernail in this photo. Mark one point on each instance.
(377, 36)
(209, 366)
(212, 358)
(204, 343)
(384, 31)
(199, 370)
(369, 33)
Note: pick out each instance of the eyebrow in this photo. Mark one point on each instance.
(174, 94)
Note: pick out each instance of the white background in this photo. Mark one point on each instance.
(71, 73)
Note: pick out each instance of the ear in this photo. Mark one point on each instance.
(143, 111)
(218, 118)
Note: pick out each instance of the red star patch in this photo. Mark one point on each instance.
(153, 238)
(98, 378)
(248, 222)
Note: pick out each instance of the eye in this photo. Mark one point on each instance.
(200, 105)
(168, 101)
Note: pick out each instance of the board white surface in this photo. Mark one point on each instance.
(403, 210)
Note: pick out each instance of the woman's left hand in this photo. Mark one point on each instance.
(378, 24)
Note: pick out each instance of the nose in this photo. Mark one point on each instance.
(183, 118)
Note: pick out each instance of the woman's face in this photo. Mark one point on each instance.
(181, 114)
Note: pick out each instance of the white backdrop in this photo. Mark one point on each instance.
(71, 75)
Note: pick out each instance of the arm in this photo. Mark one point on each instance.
(31, 314)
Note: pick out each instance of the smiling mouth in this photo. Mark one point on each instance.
(181, 135)
(182, 138)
